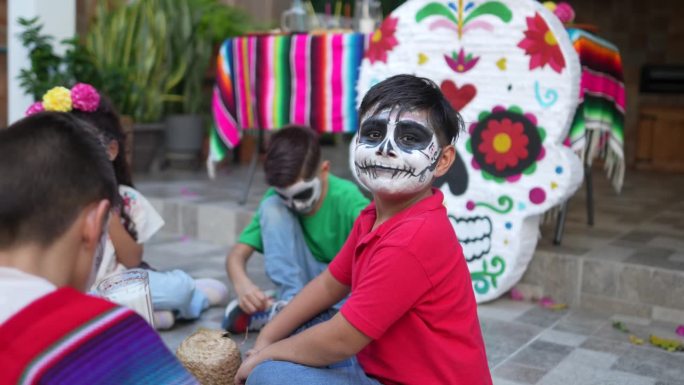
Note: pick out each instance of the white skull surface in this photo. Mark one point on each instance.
(509, 68)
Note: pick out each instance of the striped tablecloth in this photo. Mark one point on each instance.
(598, 127)
(268, 81)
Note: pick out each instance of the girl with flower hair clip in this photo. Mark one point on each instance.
(174, 293)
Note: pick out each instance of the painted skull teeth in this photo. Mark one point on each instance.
(371, 169)
(474, 234)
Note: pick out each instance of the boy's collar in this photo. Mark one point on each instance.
(432, 202)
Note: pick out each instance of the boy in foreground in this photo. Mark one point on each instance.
(56, 190)
(411, 317)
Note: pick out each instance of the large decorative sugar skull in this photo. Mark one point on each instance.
(510, 70)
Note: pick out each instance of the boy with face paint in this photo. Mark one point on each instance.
(411, 317)
(56, 190)
(301, 224)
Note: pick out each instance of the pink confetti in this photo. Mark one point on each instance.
(680, 330)
(187, 193)
(516, 295)
(546, 302)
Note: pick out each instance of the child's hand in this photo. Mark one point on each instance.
(252, 299)
(252, 359)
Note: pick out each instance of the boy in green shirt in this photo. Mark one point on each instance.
(302, 222)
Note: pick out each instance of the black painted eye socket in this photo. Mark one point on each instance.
(373, 131)
(303, 195)
(412, 136)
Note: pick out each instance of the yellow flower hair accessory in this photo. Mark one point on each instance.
(57, 99)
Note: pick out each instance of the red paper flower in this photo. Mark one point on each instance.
(504, 143)
(382, 41)
(541, 45)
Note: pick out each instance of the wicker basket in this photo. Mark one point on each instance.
(211, 356)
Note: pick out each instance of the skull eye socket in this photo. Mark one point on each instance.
(303, 195)
(412, 136)
(373, 131)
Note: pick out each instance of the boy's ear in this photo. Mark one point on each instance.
(446, 159)
(94, 223)
(325, 166)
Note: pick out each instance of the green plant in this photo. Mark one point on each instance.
(199, 26)
(48, 69)
(129, 41)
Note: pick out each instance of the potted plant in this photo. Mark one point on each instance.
(200, 26)
(129, 39)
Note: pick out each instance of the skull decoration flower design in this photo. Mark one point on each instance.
(302, 196)
(396, 152)
(518, 101)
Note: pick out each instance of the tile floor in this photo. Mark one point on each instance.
(526, 344)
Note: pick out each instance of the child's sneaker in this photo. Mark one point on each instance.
(237, 321)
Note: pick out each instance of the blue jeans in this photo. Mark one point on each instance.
(175, 290)
(346, 372)
(287, 258)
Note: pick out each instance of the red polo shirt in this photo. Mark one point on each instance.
(411, 293)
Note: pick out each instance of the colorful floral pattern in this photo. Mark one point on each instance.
(461, 63)
(382, 41)
(489, 56)
(505, 144)
(541, 45)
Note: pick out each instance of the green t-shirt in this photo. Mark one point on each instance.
(326, 231)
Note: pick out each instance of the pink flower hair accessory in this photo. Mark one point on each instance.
(82, 97)
(35, 108)
(85, 97)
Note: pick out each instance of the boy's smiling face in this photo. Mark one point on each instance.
(396, 154)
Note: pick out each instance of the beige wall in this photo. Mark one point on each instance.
(264, 12)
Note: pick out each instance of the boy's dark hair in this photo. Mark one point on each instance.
(412, 93)
(50, 168)
(293, 153)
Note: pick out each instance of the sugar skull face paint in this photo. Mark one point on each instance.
(396, 154)
(302, 196)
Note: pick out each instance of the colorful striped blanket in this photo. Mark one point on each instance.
(268, 81)
(67, 337)
(598, 125)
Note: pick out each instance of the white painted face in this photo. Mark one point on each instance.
(396, 155)
(301, 196)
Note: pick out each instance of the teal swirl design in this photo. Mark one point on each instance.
(484, 279)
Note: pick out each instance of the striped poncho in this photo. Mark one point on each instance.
(67, 337)
(598, 126)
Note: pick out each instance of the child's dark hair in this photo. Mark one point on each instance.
(106, 120)
(293, 153)
(51, 167)
(412, 93)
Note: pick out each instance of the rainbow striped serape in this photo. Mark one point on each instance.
(67, 337)
(602, 105)
(268, 81)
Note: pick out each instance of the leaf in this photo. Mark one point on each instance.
(435, 9)
(619, 325)
(493, 8)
